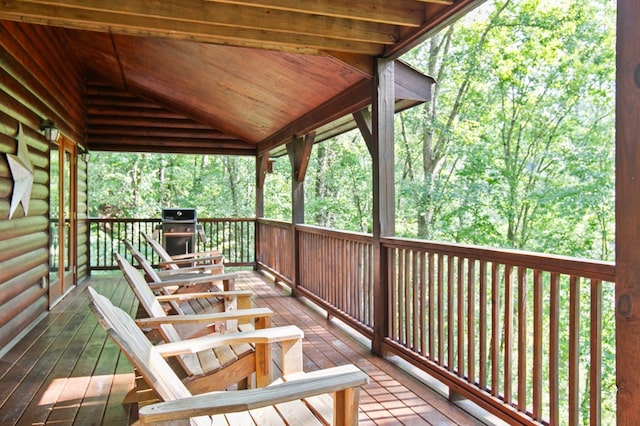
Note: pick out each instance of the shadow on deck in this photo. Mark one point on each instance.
(66, 371)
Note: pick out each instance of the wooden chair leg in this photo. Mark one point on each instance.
(292, 357)
(345, 407)
(263, 365)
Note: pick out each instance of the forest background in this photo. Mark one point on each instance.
(515, 150)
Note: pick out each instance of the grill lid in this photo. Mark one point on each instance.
(179, 215)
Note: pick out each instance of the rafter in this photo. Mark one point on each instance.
(398, 12)
(208, 22)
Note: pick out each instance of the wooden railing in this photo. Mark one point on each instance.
(336, 271)
(106, 235)
(275, 251)
(234, 237)
(519, 333)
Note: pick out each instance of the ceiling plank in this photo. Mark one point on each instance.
(222, 14)
(399, 12)
(141, 131)
(356, 97)
(111, 22)
(156, 145)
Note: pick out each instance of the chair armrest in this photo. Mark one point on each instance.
(183, 260)
(240, 294)
(324, 381)
(213, 254)
(200, 269)
(198, 279)
(265, 336)
(240, 315)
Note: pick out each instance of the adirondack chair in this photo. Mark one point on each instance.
(179, 402)
(182, 280)
(184, 284)
(175, 262)
(230, 364)
(211, 268)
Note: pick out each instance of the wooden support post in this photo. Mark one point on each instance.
(262, 162)
(383, 193)
(627, 212)
(299, 150)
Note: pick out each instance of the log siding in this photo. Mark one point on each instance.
(38, 79)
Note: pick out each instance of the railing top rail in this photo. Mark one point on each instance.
(125, 220)
(226, 219)
(594, 269)
(348, 235)
(274, 222)
(157, 219)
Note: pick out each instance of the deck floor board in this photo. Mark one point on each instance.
(66, 370)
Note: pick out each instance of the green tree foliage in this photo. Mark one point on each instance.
(338, 184)
(514, 150)
(139, 185)
(277, 191)
(516, 147)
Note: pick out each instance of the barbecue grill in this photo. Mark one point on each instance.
(179, 227)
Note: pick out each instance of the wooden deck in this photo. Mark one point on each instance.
(66, 371)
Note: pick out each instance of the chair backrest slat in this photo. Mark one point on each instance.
(160, 251)
(153, 308)
(143, 262)
(142, 355)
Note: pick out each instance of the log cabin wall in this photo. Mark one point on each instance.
(39, 78)
(82, 211)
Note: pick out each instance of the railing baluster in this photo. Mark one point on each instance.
(508, 333)
(460, 316)
(450, 313)
(432, 307)
(537, 345)
(495, 329)
(554, 346)
(393, 293)
(407, 299)
(595, 343)
(440, 309)
(471, 320)
(574, 349)
(424, 311)
(415, 292)
(522, 338)
(482, 325)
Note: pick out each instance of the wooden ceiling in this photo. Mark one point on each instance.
(241, 77)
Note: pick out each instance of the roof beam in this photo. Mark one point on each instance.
(208, 22)
(169, 145)
(397, 12)
(409, 84)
